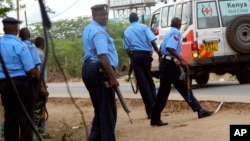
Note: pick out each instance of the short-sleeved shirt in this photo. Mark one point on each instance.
(16, 56)
(96, 41)
(33, 52)
(172, 40)
(138, 37)
(42, 58)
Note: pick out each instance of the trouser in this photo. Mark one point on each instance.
(141, 63)
(169, 74)
(15, 117)
(103, 100)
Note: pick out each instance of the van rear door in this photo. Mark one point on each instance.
(208, 29)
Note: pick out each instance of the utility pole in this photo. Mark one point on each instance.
(25, 15)
(17, 9)
(108, 2)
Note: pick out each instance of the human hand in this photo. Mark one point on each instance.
(43, 91)
(113, 83)
(183, 64)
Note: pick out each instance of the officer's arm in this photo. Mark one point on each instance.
(156, 48)
(108, 70)
(35, 73)
(173, 52)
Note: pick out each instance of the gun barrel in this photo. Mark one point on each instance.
(124, 105)
(188, 81)
(119, 95)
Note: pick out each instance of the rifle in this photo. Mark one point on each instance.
(121, 99)
(119, 95)
(41, 111)
(132, 80)
(188, 83)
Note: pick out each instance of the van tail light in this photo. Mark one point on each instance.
(156, 32)
(195, 49)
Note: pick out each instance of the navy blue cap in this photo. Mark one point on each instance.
(10, 20)
(99, 7)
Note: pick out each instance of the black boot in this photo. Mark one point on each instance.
(204, 113)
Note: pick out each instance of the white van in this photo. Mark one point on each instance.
(216, 36)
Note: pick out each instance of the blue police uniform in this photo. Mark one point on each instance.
(96, 41)
(34, 53)
(100, 43)
(169, 74)
(137, 39)
(15, 65)
(18, 61)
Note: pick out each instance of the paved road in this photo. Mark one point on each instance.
(230, 91)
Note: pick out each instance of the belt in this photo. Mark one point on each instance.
(90, 61)
(14, 78)
(94, 61)
(170, 58)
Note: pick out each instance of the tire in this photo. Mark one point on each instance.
(243, 77)
(202, 77)
(238, 34)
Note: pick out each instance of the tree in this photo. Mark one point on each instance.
(5, 7)
(67, 39)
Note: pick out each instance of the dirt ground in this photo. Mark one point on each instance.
(66, 121)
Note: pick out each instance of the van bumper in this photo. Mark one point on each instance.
(217, 60)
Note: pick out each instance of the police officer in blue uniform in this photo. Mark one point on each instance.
(170, 73)
(138, 42)
(21, 69)
(24, 34)
(99, 61)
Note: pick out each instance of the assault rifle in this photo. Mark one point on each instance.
(120, 97)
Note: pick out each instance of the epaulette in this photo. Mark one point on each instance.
(99, 32)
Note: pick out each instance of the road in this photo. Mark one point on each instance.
(230, 91)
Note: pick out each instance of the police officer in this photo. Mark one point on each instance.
(99, 61)
(21, 69)
(170, 73)
(138, 42)
(24, 34)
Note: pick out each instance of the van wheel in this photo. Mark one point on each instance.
(202, 77)
(243, 77)
(238, 34)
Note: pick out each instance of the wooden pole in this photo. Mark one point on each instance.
(26, 18)
(17, 9)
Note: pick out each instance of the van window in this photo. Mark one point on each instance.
(183, 12)
(164, 17)
(167, 15)
(155, 22)
(230, 9)
(178, 10)
(207, 15)
(170, 15)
